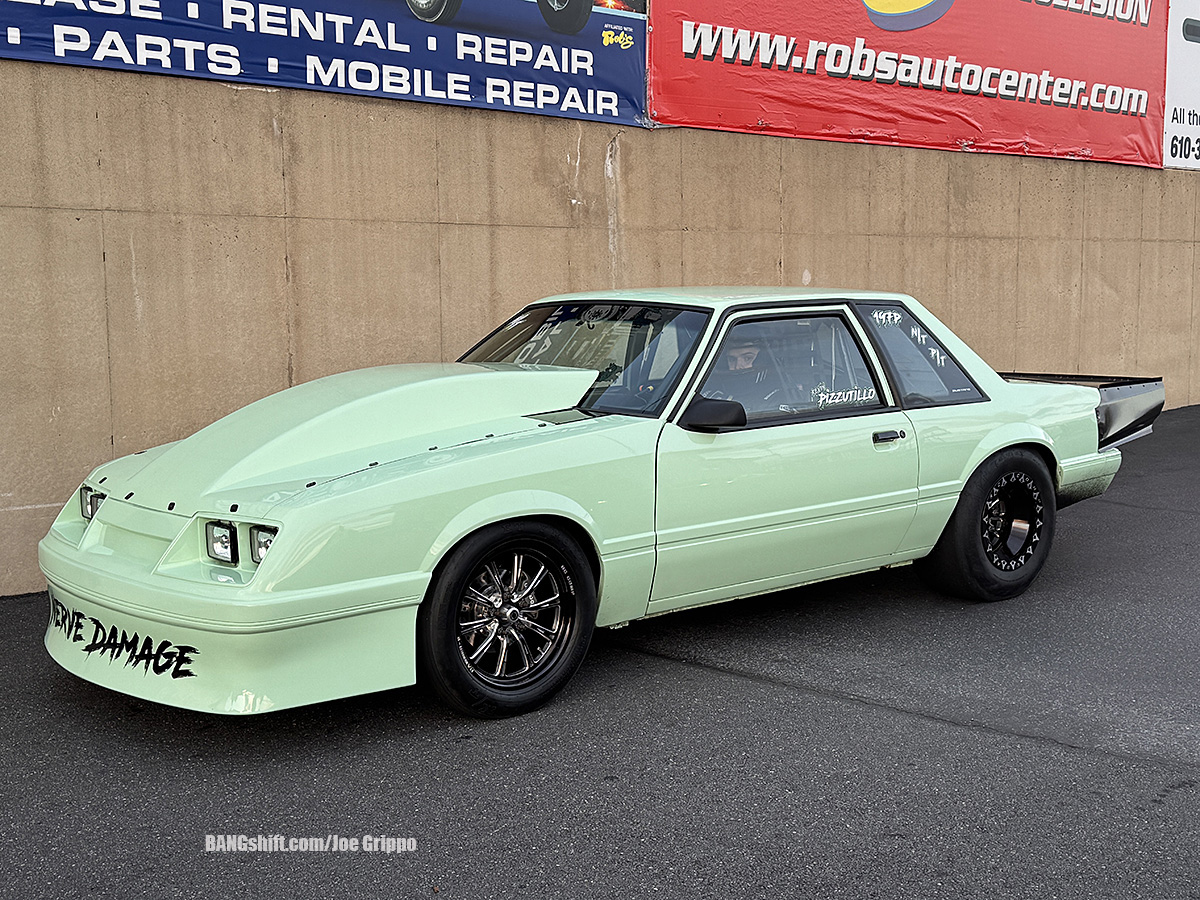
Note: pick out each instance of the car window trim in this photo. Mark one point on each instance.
(687, 307)
(734, 316)
(684, 372)
(886, 361)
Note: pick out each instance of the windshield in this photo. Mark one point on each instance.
(639, 351)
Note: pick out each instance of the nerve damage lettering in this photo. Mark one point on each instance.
(157, 657)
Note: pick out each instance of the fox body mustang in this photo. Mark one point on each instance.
(598, 458)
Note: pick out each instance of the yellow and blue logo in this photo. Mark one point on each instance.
(905, 15)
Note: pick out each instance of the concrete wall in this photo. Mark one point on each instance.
(172, 249)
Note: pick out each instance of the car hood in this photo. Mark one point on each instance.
(277, 446)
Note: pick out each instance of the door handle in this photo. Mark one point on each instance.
(887, 437)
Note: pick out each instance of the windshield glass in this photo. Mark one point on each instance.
(639, 351)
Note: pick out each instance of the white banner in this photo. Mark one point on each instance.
(1181, 124)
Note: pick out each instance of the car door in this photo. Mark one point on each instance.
(821, 480)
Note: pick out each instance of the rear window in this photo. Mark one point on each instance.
(928, 375)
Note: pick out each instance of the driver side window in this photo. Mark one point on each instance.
(780, 369)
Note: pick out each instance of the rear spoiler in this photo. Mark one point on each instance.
(1127, 408)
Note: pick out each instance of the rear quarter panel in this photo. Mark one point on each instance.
(954, 440)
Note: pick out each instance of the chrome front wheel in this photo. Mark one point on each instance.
(515, 617)
(508, 620)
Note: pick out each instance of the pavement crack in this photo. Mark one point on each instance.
(875, 703)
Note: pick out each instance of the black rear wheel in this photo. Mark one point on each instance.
(999, 536)
(509, 619)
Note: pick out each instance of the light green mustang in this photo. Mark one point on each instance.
(599, 458)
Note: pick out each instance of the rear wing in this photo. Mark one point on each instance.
(1128, 406)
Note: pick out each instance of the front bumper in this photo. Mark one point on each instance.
(229, 671)
(220, 648)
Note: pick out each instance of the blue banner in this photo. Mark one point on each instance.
(551, 57)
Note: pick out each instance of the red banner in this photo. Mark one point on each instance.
(1070, 78)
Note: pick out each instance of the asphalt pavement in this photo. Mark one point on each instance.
(863, 738)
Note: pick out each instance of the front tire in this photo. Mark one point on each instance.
(439, 12)
(509, 620)
(999, 536)
(566, 16)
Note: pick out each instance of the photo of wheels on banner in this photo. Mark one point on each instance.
(1081, 79)
(554, 57)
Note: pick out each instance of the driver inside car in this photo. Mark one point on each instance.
(745, 374)
(742, 357)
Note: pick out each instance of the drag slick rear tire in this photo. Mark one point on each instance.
(508, 620)
(1000, 534)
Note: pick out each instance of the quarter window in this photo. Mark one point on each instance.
(783, 368)
(928, 375)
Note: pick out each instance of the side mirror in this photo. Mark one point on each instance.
(707, 415)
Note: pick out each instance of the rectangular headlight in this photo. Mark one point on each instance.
(89, 501)
(221, 538)
(260, 541)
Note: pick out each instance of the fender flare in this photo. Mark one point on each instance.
(502, 508)
(1014, 434)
